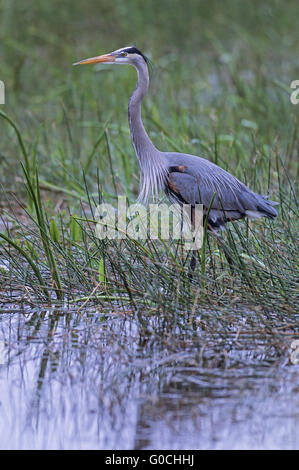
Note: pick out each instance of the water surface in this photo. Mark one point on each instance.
(98, 380)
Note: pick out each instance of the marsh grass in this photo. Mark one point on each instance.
(65, 147)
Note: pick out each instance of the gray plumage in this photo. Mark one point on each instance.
(184, 178)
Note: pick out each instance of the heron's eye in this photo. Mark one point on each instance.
(123, 54)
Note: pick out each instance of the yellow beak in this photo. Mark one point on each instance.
(96, 60)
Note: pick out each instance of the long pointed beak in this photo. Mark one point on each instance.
(108, 58)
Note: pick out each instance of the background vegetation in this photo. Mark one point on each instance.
(220, 88)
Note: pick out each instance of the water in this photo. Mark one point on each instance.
(98, 380)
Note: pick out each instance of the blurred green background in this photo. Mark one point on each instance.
(220, 86)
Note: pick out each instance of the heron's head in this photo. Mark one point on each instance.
(127, 55)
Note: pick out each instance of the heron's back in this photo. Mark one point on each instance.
(195, 180)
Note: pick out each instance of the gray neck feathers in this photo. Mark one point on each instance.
(151, 162)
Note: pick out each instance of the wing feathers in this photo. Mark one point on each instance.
(233, 200)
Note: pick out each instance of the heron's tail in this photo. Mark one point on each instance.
(264, 208)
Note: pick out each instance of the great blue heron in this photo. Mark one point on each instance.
(186, 179)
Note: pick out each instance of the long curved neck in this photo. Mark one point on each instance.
(140, 139)
(151, 162)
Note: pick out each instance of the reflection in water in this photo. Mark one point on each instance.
(102, 381)
(253, 410)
